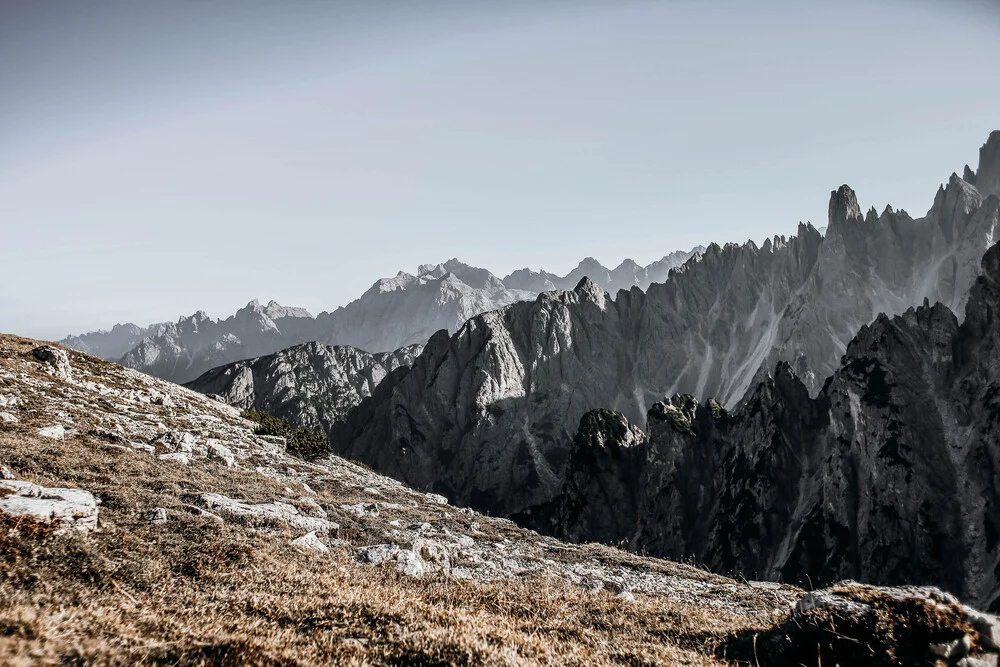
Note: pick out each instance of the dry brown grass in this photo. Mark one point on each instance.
(194, 591)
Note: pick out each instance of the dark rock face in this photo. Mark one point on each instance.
(890, 475)
(487, 415)
(310, 385)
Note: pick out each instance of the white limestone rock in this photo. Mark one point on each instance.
(176, 441)
(69, 508)
(377, 553)
(361, 510)
(410, 563)
(310, 542)
(219, 452)
(57, 360)
(265, 512)
(55, 432)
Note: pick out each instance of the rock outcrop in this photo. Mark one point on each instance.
(854, 624)
(487, 415)
(57, 360)
(64, 508)
(312, 385)
(889, 475)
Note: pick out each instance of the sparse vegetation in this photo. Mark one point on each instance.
(302, 442)
(197, 592)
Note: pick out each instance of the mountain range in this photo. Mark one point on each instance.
(394, 313)
(852, 433)
(487, 415)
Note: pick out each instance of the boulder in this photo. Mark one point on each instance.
(68, 508)
(7, 418)
(855, 623)
(218, 451)
(410, 563)
(57, 360)
(176, 441)
(155, 516)
(56, 432)
(309, 542)
(437, 499)
(361, 510)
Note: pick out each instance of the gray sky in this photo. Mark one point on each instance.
(161, 157)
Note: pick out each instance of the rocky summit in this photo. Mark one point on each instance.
(487, 415)
(159, 527)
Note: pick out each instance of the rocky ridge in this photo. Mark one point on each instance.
(182, 351)
(313, 386)
(889, 475)
(395, 313)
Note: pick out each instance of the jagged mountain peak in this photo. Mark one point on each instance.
(590, 263)
(988, 174)
(590, 291)
(843, 207)
(276, 311)
(968, 175)
(627, 264)
(956, 197)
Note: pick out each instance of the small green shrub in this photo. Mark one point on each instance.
(302, 442)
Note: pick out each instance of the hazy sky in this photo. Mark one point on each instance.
(161, 157)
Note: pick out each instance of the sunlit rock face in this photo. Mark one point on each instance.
(487, 415)
(310, 385)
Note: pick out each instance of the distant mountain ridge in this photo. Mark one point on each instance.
(394, 313)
